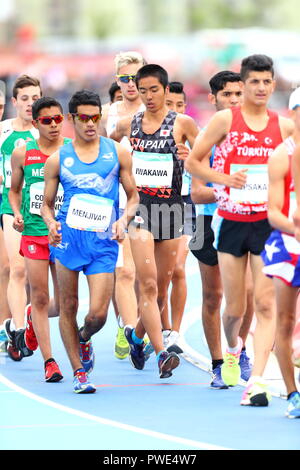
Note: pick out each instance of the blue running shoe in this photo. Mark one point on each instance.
(81, 383)
(87, 355)
(166, 363)
(148, 349)
(136, 356)
(245, 365)
(293, 409)
(217, 381)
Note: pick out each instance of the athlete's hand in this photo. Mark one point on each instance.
(237, 180)
(55, 236)
(118, 230)
(18, 223)
(182, 151)
(296, 219)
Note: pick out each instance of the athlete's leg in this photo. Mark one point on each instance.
(124, 286)
(4, 279)
(54, 301)
(179, 284)
(212, 293)
(248, 317)
(16, 291)
(68, 302)
(143, 251)
(233, 274)
(264, 305)
(100, 291)
(286, 298)
(38, 277)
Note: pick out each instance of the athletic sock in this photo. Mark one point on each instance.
(216, 363)
(135, 338)
(158, 355)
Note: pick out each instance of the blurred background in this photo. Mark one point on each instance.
(71, 45)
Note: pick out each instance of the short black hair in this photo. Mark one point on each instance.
(112, 90)
(84, 97)
(153, 70)
(44, 102)
(177, 87)
(219, 80)
(256, 63)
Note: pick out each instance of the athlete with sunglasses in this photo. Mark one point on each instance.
(15, 133)
(88, 227)
(124, 299)
(28, 166)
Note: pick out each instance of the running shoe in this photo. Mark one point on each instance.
(30, 338)
(245, 365)
(21, 344)
(172, 344)
(81, 383)
(52, 372)
(217, 381)
(293, 409)
(148, 347)
(166, 363)
(121, 345)
(12, 350)
(166, 334)
(87, 355)
(3, 335)
(136, 355)
(230, 369)
(256, 394)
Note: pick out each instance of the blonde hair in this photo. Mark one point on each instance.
(126, 58)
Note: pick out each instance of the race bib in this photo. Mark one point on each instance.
(7, 173)
(153, 170)
(89, 212)
(37, 196)
(255, 190)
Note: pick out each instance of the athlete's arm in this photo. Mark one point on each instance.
(278, 166)
(15, 192)
(188, 127)
(51, 176)
(129, 185)
(103, 121)
(122, 129)
(296, 176)
(200, 193)
(286, 127)
(214, 134)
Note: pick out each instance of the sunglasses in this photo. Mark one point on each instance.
(126, 78)
(47, 120)
(86, 117)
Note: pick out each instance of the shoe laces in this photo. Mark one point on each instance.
(81, 376)
(86, 350)
(51, 368)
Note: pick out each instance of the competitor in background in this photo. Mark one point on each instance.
(281, 255)
(15, 133)
(246, 137)
(28, 166)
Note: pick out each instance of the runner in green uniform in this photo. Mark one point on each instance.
(15, 133)
(28, 165)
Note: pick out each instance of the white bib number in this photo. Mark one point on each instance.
(255, 190)
(37, 197)
(153, 170)
(89, 212)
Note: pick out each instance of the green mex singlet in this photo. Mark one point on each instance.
(11, 139)
(34, 190)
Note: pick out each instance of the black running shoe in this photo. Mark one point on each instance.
(20, 343)
(136, 355)
(12, 349)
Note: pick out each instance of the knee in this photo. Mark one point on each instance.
(148, 288)
(212, 299)
(17, 273)
(264, 307)
(178, 273)
(68, 305)
(125, 274)
(285, 324)
(4, 271)
(40, 299)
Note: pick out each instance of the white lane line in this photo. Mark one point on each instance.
(109, 422)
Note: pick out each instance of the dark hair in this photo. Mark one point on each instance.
(84, 97)
(24, 81)
(177, 87)
(45, 102)
(256, 63)
(112, 90)
(218, 81)
(153, 70)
